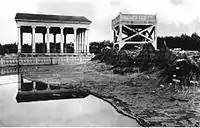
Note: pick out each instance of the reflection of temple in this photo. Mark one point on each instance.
(34, 91)
(15, 69)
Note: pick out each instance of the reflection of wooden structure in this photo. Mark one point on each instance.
(35, 91)
(134, 29)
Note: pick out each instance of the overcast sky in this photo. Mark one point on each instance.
(174, 16)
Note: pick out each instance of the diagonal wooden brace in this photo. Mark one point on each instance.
(139, 33)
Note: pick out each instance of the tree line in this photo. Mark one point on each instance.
(184, 41)
(40, 48)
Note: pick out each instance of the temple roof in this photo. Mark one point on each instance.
(50, 18)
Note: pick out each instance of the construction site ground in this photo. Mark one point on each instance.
(137, 94)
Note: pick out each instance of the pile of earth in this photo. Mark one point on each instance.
(148, 60)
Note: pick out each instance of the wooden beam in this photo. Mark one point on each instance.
(145, 37)
(151, 32)
(138, 33)
(116, 34)
(131, 29)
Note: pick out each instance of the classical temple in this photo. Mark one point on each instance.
(53, 24)
(134, 29)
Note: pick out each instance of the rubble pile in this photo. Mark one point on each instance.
(146, 59)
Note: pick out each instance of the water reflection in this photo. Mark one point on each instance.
(34, 91)
(88, 111)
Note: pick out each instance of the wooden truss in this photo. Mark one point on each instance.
(124, 34)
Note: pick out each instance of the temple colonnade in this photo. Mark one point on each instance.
(80, 38)
(47, 24)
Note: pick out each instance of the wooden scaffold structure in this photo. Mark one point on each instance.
(134, 29)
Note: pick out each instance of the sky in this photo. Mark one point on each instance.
(174, 16)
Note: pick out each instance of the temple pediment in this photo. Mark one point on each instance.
(47, 18)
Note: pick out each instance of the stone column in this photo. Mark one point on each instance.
(19, 46)
(78, 43)
(61, 39)
(87, 42)
(65, 41)
(84, 48)
(82, 41)
(34, 86)
(43, 49)
(48, 87)
(21, 38)
(48, 43)
(33, 39)
(75, 40)
(54, 41)
(81, 37)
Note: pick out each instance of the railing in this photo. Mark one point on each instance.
(44, 60)
(138, 17)
(135, 18)
(52, 54)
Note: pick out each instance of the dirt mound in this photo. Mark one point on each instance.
(107, 55)
(149, 60)
(144, 58)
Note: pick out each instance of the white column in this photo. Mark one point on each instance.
(84, 42)
(54, 41)
(81, 42)
(61, 39)
(33, 39)
(48, 87)
(87, 42)
(65, 49)
(19, 38)
(34, 86)
(48, 43)
(43, 45)
(78, 43)
(75, 40)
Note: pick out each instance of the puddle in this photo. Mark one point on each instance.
(28, 103)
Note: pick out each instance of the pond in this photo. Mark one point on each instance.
(56, 109)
